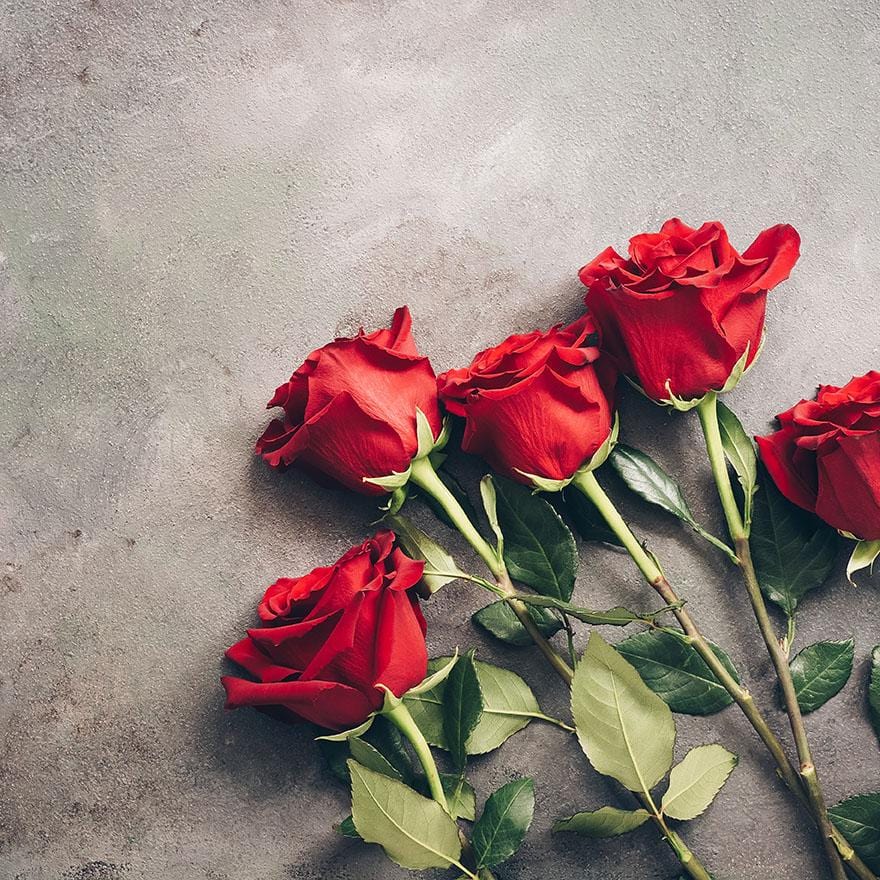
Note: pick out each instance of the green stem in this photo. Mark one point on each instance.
(403, 721)
(691, 864)
(708, 412)
(521, 610)
(557, 721)
(424, 476)
(474, 579)
(588, 484)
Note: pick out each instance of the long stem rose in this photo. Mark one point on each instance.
(708, 411)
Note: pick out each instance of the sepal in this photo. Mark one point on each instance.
(395, 501)
(435, 678)
(863, 556)
(344, 735)
(600, 456)
(543, 484)
(392, 482)
(739, 369)
(427, 443)
(391, 702)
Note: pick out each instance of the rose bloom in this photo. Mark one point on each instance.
(350, 409)
(826, 455)
(334, 635)
(680, 312)
(537, 403)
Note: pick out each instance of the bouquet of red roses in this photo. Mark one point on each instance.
(343, 648)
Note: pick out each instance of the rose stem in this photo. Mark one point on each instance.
(399, 716)
(424, 476)
(588, 484)
(403, 721)
(708, 412)
(688, 860)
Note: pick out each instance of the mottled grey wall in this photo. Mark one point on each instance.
(193, 196)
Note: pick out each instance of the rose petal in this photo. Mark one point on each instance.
(246, 654)
(780, 246)
(777, 451)
(401, 658)
(544, 425)
(327, 704)
(849, 486)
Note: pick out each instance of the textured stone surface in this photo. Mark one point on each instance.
(196, 194)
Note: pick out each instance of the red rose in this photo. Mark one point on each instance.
(350, 409)
(679, 314)
(826, 455)
(333, 636)
(535, 405)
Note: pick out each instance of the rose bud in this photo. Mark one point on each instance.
(684, 314)
(333, 636)
(536, 405)
(826, 456)
(351, 410)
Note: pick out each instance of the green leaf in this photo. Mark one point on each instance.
(624, 728)
(676, 673)
(604, 822)
(460, 796)
(820, 671)
(508, 706)
(694, 783)
(369, 756)
(414, 831)
(501, 828)
(462, 707)
(588, 522)
(874, 690)
(613, 617)
(500, 620)
(389, 741)
(863, 556)
(419, 545)
(346, 828)
(335, 754)
(539, 549)
(793, 550)
(740, 452)
(858, 818)
(649, 481)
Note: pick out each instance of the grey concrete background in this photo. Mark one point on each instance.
(196, 194)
